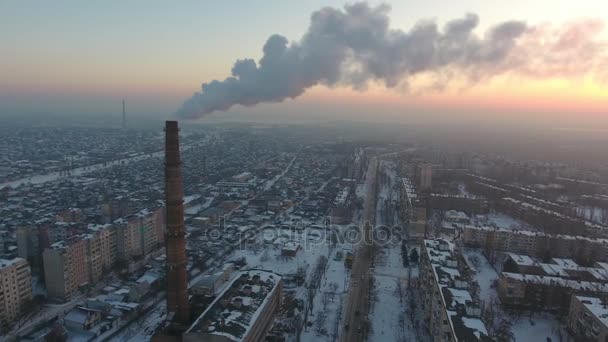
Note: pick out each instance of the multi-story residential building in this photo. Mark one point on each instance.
(28, 246)
(140, 233)
(588, 319)
(450, 310)
(148, 237)
(549, 285)
(540, 214)
(584, 249)
(412, 212)
(15, 288)
(252, 300)
(424, 176)
(101, 250)
(468, 204)
(543, 292)
(66, 267)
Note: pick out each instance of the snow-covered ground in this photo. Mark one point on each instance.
(500, 220)
(595, 214)
(327, 307)
(524, 329)
(388, 316)
(485, 275)
(538, 328)
(389, 309)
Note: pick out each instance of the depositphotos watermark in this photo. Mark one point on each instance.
(306, 236)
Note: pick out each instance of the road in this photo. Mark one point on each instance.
(357, 305)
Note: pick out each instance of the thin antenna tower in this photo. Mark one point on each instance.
(124, 115)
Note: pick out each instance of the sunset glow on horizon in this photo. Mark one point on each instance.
(143, 58)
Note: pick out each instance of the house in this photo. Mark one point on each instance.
(82, 318)
(290, 249)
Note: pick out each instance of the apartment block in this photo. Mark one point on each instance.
(424, 176)
(15, 288)
(450, 310)
(140, 233)
(66, 267)
(584, 249)
(101, 250)
(252, 300)
(588, 319)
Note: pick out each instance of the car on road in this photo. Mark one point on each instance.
(355, 283)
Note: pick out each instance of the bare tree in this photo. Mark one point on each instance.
(399, 290)
(333, 287)
(400, 335)
(320, 323)
(412, 309)
(325, 300)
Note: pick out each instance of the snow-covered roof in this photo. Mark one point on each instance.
(556, 281)
(9, 262)
(596, 307)
(456, 300)
(232, 316)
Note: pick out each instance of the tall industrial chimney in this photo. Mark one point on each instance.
(177, 281)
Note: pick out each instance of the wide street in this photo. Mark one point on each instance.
(357, 306)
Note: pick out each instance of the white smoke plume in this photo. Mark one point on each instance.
(354, 46)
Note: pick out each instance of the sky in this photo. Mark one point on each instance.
(84, 57)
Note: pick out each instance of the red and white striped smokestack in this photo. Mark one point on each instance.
(177, 281)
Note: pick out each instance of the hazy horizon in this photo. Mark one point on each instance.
(75, 60)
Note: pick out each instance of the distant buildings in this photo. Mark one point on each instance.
(538, 244)
(28, 246)
(15, 288)
(424, 176)
(244, 311)
(412, 211)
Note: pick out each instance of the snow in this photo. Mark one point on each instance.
(485, 274)
(460, 296)
(544, 325)
(388, 312)
(335, 273)
(501, 221)
(595, 214)
(536, 329)
(475, 324)
(388, 319)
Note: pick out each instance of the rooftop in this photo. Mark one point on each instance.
(596, 307)
(232, 312)
(462, 310)
(6, 262)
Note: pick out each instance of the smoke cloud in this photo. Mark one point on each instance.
(354, 46)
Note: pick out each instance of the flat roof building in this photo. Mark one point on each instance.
(244, 311)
